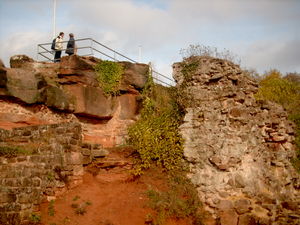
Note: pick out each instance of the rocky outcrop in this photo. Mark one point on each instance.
(238, 149)
(54, 121)
(71, 86)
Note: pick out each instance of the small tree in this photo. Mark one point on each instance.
(285, 91)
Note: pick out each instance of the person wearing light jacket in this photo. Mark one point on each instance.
(58, 47)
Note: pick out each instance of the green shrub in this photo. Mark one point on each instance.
(14, 151)
(274, 88)
(35, 218)
(109, 75)
(179, 201)
(51, 209)
(155, 136)
(209, 51)
(285, 92)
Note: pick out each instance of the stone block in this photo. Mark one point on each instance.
(25, 198)
(225, 205)
(9, 182)
(290, 205)
(242, 206)
(99, 153)
(246, 220)
(60, 130)
(36, 182)
(35, 158)
(21, 158)
(74, 158)
(73, 141)
(11, 197)
(86, 145)
(86, 152)
(228, 217)
(78, 170)
(96, 146)
(27, 182)
(239, 181)
(10, 218)
(86, 160)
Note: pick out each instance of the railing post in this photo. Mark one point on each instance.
(92, 51)
(37, 53)
(150, 69)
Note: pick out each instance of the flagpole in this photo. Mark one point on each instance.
(54, 18)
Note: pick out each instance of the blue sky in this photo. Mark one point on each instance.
(265, 34)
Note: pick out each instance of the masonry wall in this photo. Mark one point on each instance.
(239, 149)
(55, 164)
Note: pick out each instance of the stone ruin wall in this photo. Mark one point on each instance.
(238, 149)
(56, 165)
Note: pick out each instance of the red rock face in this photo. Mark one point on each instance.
(71, 86)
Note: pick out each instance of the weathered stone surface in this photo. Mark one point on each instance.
(56, 97)
(99, 153)
(246, 220)
(228, 217)
(242, 206)
(58, 153)
(90, 101)
(74, 158)
(25, 179)
(24, 84)
(238, 148)
(72, 85)
(135, 75)
(3, 76)
(129, 106)
(20, 61)
(2, 66)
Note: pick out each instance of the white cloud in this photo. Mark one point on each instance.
(276, 54)
(264, 32)
(21, 43)
(132, 23)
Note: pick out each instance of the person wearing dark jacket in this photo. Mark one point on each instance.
(71, 47)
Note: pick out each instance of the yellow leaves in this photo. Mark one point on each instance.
(274, 88)
(155, 136)
(287, 93)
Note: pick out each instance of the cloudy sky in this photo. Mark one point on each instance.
(265, 34)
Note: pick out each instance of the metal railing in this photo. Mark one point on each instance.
(90, 47)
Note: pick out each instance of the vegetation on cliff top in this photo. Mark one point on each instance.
(109, 75)
(210, 51)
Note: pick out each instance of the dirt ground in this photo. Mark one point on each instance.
(107, 197)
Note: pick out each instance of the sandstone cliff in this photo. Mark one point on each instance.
(238, 149)
(54, 120)
(71, 86)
